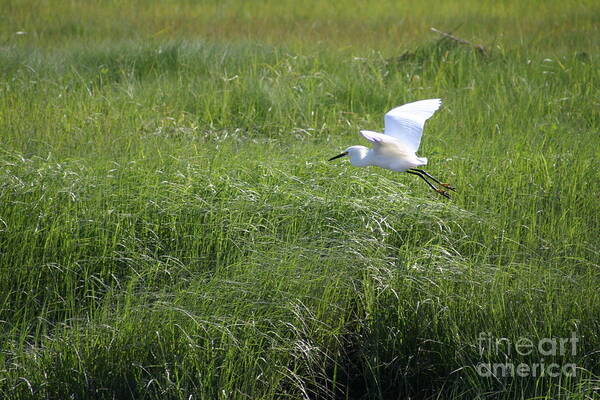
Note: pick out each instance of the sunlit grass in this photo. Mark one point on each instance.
(387, 25)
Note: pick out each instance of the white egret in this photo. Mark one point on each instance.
(395, 149)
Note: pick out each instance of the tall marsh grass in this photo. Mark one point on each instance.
(169, 228)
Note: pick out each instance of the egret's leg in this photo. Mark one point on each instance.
(440, 191)
(447, 186)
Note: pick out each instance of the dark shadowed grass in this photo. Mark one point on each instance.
(261, 283)
(169, 227)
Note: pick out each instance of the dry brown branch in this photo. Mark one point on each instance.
(478, 47)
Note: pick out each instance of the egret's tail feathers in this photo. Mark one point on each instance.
(422, 160)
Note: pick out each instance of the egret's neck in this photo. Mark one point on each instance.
(359, 156)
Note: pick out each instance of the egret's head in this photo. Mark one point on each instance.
(356, 154)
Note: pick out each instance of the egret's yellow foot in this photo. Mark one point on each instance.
(448, 186)
(443, 193)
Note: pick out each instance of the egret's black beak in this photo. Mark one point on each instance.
(338, 156)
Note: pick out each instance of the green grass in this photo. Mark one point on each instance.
(169, 228)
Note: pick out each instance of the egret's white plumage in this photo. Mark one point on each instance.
(395, 149)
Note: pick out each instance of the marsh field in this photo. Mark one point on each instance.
(170, 227)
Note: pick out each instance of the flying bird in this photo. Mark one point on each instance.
(395, 149)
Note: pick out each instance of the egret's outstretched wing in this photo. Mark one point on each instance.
(379, 138)
(405, 123)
